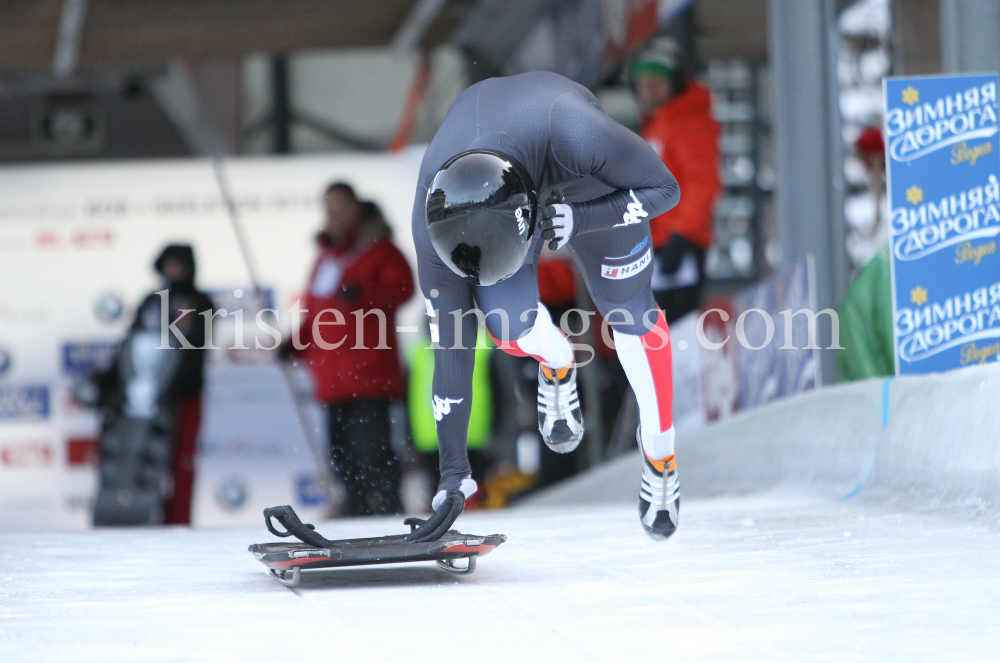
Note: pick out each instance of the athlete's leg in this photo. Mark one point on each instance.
(616, 265)
(453, 335)
(522, 326)
(648, 365)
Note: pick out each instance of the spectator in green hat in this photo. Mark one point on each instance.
(678, 124)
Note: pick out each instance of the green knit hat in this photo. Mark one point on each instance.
(659, 59)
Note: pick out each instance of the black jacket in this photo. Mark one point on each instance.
(190, 378)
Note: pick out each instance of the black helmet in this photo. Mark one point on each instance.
(481, 215)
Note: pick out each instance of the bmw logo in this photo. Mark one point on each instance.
(231, 494)
(109, 308)
(5, 361)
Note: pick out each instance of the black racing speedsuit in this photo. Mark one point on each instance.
(615, 184)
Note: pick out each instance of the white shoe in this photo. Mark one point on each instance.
(659, 495)
(560, 420)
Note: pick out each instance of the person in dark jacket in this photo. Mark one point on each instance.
(176, 265)
(348, 340)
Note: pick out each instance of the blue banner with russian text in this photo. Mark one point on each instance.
(943, 179)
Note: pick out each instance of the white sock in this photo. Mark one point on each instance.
(657, 446)
(546, 342)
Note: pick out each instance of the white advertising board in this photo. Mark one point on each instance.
(77, 242)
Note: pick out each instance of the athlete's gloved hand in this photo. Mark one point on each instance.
(468, 488)
(557, 225)
(448, 506)
(437, 525)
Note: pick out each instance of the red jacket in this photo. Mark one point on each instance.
(686, 137)
(362, 273)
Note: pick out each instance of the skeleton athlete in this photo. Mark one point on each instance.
(520, 162)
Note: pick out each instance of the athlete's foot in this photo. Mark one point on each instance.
(659, 496)
(559, 418)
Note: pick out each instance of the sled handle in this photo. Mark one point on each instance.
(435, 527)
(293, 526)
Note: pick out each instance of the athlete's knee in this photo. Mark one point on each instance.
(506, 327)
(629, 321)
(541, 340)
(505, 344)
(500, 333)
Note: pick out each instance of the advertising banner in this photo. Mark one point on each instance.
(745, 350)
(776, 353)
(943, 175)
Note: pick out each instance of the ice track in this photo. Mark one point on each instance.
(748, 579)
(858, 523)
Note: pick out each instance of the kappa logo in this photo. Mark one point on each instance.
(442, 406)
(619, 272)
(634, 212)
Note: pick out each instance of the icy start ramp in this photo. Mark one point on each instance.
(742, 580)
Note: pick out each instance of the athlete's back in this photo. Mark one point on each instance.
(559, 133)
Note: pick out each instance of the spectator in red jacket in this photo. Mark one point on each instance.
(348, 340)
(678, 124)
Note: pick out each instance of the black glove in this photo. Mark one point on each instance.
(350, 293)
(437, 525)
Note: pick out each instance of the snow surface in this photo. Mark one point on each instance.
(768, 579)
(856, 523)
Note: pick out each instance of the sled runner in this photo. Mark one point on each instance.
(429, 540)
